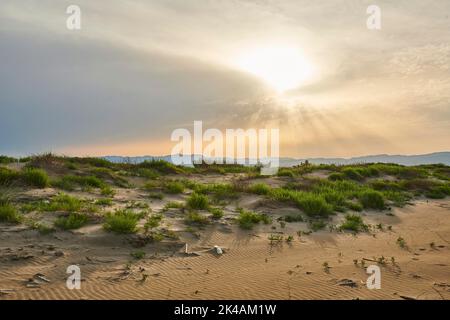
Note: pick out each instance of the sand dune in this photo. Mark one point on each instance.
(250, 268)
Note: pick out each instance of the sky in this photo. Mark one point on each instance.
(138, 70)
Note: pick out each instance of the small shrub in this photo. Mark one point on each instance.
(173, 205)
(8, 213)
(107, 191)
(73, 221)
(70, 182)
(354, 223)
(121, 221)
(293, 218)
(198, 201)
(336, 176)
(8, 176)
(401, 242)
(104, 202)
(247, 219)
(353, 174)
(36, 177)
(217, 213)
(156, 195)
(283, 172)
(138, 255)
(260, 188)
(174, 187)
(194, 217)
(372, 200)
(153, 222)
(438, 192)
(62, 202)
(317, 225)
(314, 206)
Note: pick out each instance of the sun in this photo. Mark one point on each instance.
(283, 68)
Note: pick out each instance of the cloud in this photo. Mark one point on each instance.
(137, 70)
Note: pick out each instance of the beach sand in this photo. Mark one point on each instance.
(34, 267)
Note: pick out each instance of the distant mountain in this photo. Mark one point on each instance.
(431, 158)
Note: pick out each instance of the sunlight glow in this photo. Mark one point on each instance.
(283, 68)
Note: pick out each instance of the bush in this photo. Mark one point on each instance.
(153, 222)
(198, 201)
(260, 188)
(217, 213)
(174, 187)
(62, 202)
(372, 200)
(8, 176)
(36, 177)
(438, 192)
(121, 221)
(354, 223)
(104, 202)
(247, 219)
(317, 225)
(194, 217)
(352, 173)
(161, 166)
(314, 205)
(8, 213)
(70, 182)
(335, 176)
(293, 218)
(73, 221)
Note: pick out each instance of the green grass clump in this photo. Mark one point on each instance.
(174, 187)
(7, 176)
(138, 255)
(336, 176)
(354, 223)
(8, 213)
(121, 221)
(352, 173)
(247, 219)
(217, 213)
(293, 218)
(156, 195)
(386, 185)
(107, 191)
(220, 191)
(70, 182)
(438, 192)
(7, 160)
(36, 178)
(72, 221)
(194, 217)
(161, 166)
(314, 205)
(104, 202)
(260, 188)
(62, 202)
(316, 225)
(198, 201)
(371, 199)
(283, 172)
(153, 222)
(173, 205)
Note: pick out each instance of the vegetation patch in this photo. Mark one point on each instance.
(354, 223)
(198, 201)
(122, 221)
(8, 213)
(247, 219)
(72, 221)
(371, 199)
